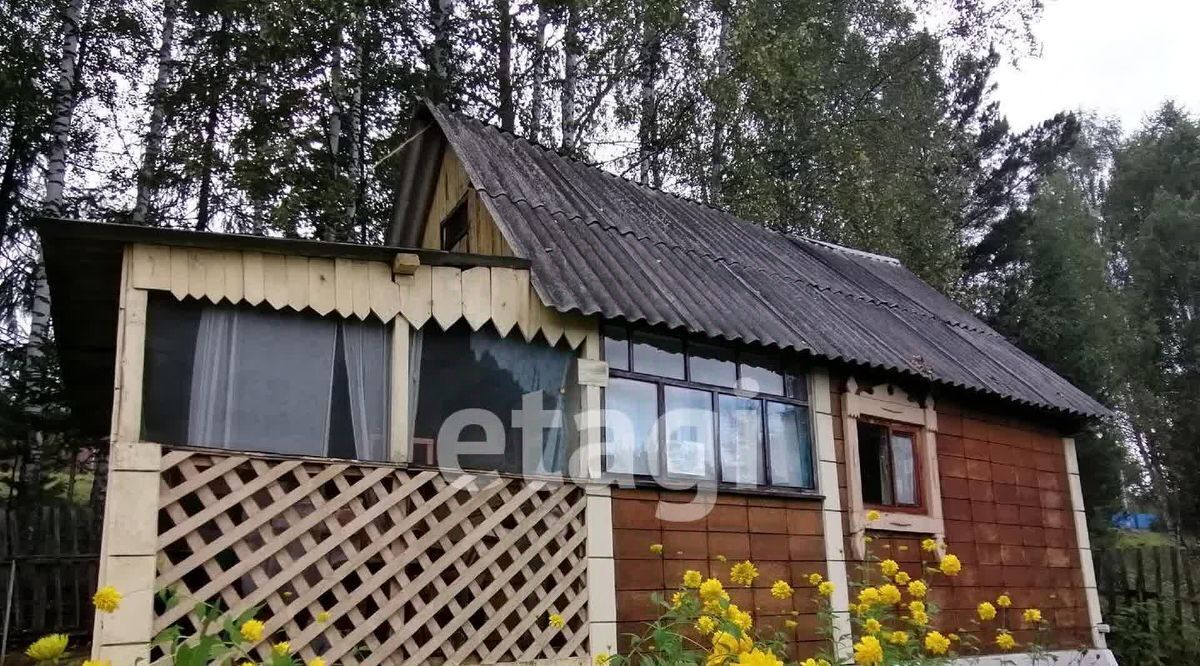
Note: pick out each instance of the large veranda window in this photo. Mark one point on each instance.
(697, 410)
(256, 379)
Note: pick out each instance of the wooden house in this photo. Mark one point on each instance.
(277, 411)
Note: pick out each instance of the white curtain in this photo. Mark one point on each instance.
(264, 381)
(368, 365)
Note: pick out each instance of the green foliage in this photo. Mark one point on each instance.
(218, 641)
(1140, 637)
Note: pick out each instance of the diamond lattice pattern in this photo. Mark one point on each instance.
(410, 566)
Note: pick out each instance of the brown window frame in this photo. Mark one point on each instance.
(458, 216)
(914, 433)
(786, 368)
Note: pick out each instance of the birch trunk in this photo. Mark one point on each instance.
(154, 135)
(336, 108)
(438, 86)
(356, 128)
(648, 58)
(538, 74)
(720, 109)
(571, 56)
(64, 108)
(504, 69)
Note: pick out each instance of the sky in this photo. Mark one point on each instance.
(1119, 58)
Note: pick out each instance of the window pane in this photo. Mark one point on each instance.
(630, 413)
(791, 452)
(616, 347)
(904, 468)
(761, 374)
(463, 369)
(797, 386)
(689, 431)
(712, 365)
(658, 355)
(741, 440)
(252, 379)
(872, 463)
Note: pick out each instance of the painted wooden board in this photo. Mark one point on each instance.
(477, 296)
(252, 277)
(322, 290)
(447, 295)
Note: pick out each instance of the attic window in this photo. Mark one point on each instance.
(454, 229)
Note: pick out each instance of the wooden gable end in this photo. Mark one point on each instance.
(454, 189)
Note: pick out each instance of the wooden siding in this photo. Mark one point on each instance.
(354, 288)
(454, 187)
(783, 537)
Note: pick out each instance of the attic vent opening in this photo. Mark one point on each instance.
(454, 229)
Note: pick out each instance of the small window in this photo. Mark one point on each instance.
(454, 230)
(255, 379)
(658, 355)
(887, 464)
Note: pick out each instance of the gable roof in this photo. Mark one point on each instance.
(601, 244)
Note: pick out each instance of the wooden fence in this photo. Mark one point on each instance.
(1155, 580)
(47, 571)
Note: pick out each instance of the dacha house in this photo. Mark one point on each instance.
(280, 414)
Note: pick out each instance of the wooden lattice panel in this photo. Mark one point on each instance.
(412, 566)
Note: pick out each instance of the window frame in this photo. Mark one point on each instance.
(914, 433)
(457, 214)
(785, 369)
(884, 402)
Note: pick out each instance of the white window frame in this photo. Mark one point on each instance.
(890, 403)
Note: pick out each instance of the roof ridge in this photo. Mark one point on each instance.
(442, 108)
(733, 262)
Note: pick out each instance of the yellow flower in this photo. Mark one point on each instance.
(722, 558)
(868, 596)
(602, 658)
(815, 579)
(868, 652)
(825, 588)
(898, 637)
(950, 565)
(928, 545)
(705, 625)
(889, 568)
(711, 590)
(791, 624)
(903, 578)
(916, 606)
(919, 618)
(316, 661)
(677, 600)
(740, 618)
(1003, 601)
(557, 621)
(872, 626)
(252, 631)
(724, 644)
(873, 515)
(758, 658)
(656, 548)
(281, 648)
(889, 594)
(692, 578)
(106, 599)
(936, 643)
(96, 662)
(1005, 640)
(814, 662)
(1032, 616)
(47, 647)
(953, 637)
(918, 588)
(743, 573)
(986, 611)
(781, 590)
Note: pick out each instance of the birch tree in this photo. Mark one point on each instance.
(154, 133)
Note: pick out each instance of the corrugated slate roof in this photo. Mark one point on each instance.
(601, 244)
